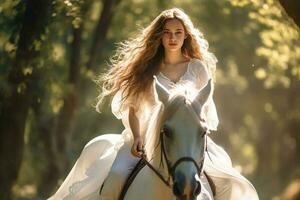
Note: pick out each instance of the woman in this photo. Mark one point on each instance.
(171, 49)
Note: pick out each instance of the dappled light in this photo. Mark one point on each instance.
(47, 81)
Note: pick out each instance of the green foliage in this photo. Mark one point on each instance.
(10, 21)
(70, 9)
(256, 93)
(280, 42)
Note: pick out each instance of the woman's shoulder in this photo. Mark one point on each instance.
(198, 61)
(197, 66)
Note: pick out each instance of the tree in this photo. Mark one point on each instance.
(23, 75)
(292, 9)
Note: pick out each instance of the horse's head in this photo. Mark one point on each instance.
(182, 137)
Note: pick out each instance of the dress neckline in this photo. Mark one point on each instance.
(180, 78)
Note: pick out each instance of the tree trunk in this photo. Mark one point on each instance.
(66, 116)
(15, 108)
(50, 175)
(292, 8)
(101, 31)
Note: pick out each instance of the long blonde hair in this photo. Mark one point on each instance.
(138, 59)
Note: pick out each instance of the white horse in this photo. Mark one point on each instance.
(176, 168)
(175, 146)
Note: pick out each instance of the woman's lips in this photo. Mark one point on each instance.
(172, 44)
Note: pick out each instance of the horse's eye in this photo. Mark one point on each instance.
(166, 131)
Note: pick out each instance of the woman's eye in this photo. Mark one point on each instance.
(178, 33)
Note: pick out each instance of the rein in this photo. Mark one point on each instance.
(167, 182)
(171, 169)
(143, 162)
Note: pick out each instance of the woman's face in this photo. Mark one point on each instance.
(173, 35)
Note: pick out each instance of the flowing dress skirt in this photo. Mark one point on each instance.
(91, 168)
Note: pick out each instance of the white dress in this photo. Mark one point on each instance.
(111, 152)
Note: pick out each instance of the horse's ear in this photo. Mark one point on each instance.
(161, 91)
(204, 93)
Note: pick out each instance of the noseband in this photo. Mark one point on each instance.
(172, 168)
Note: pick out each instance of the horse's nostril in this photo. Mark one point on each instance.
(197, 188)
(176, 190)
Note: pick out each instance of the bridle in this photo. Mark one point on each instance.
(164, 157)
(171, 168)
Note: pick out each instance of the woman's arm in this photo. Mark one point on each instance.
(138, 144)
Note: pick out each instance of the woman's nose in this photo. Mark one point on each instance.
(172, 36)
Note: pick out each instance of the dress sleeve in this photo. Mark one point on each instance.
(120, 106)
(208, 111)
(200, 73)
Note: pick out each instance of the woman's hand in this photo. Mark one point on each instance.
(137, 148)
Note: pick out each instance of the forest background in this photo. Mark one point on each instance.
(51, 51)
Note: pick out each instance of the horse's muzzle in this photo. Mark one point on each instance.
(186, 190)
